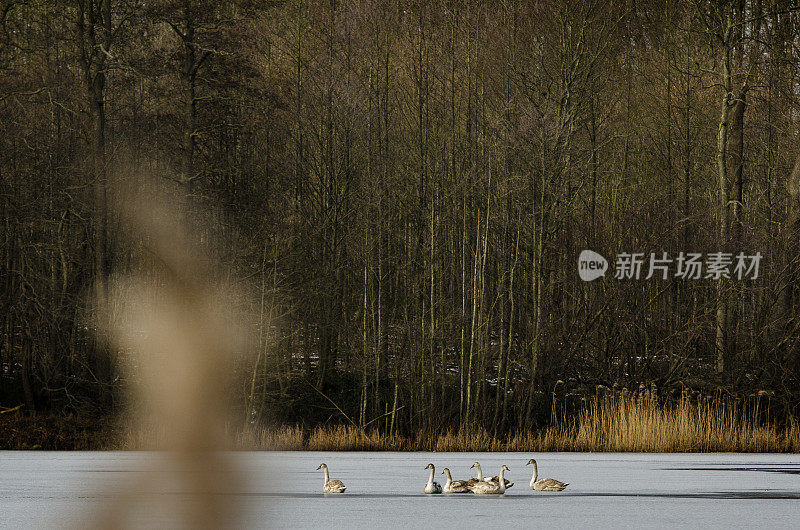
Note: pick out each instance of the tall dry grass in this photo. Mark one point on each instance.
(610, 422)
(641, 423)
(286, 438)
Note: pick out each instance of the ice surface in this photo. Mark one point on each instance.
(283, 490)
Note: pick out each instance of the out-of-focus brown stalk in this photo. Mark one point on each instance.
(175, 334)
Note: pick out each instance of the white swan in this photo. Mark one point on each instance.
(454, 486)
(545, 484)
(481, 478)
(331, 486)
(486, 488)
(431, 486)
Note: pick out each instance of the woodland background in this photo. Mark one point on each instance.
(400, 190)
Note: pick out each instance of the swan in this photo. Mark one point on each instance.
(331, 486)
(431, 486)
(454, 486)
(481, 478)
(486, 488)
(545, 484)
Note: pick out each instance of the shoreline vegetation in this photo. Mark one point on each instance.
(608, 423)
(623, 423)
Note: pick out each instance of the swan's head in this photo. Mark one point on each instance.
(531, 461)
(474, 464)
(504, 468)
(429, 466)
(445, 471)
(322, 466)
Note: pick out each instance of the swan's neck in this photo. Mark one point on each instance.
(430, 478)
(327, 477)
(480, 473)
(502, 481)
(535, 473)
(449, 478)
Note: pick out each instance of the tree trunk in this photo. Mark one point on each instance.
(723, 218)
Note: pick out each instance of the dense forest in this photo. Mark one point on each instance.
(401, 190)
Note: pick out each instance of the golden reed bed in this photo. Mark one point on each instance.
(611, 422)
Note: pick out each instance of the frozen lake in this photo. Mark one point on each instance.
(283, 490)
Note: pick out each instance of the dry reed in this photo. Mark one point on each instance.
(610, 422)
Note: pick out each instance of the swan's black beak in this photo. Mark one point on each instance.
(473, 465)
